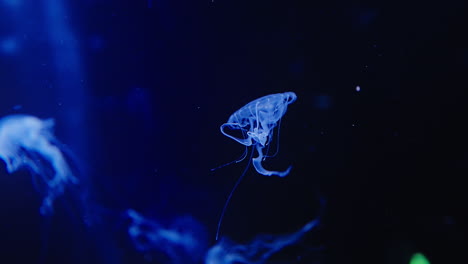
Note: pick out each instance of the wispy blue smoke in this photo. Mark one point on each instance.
(257, 251)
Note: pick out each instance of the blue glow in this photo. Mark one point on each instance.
(12, 3)
(8, 46)
(68, 74)
(24, 142)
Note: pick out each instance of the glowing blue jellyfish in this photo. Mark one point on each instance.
(256, 120)
(255, 252)
(184, 241)
(28, 142)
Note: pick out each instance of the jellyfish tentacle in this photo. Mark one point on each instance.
(244, 141)
(256, 114)
(230, 196)
(257, 163)
(241, 158)
(277, 143)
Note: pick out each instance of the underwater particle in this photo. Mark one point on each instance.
(358, 88)
(28, 142)
(257, 251)
(419, 258)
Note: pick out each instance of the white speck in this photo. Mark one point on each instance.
(353, 125)
(358, 88)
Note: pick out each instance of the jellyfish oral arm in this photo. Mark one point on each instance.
(259, 136)
(244, 141)
(257, 163)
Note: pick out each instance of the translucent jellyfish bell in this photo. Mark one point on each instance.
(28, 142)
(256, 120)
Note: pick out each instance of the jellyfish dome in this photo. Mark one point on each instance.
(256, 120)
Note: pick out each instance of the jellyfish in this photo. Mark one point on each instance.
(256, 121)
(257, 251)
(28, 142)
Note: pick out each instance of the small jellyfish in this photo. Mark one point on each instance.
(256, 121)
(28, 142)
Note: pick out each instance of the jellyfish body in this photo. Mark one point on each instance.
(256, 120)
(28, 142)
